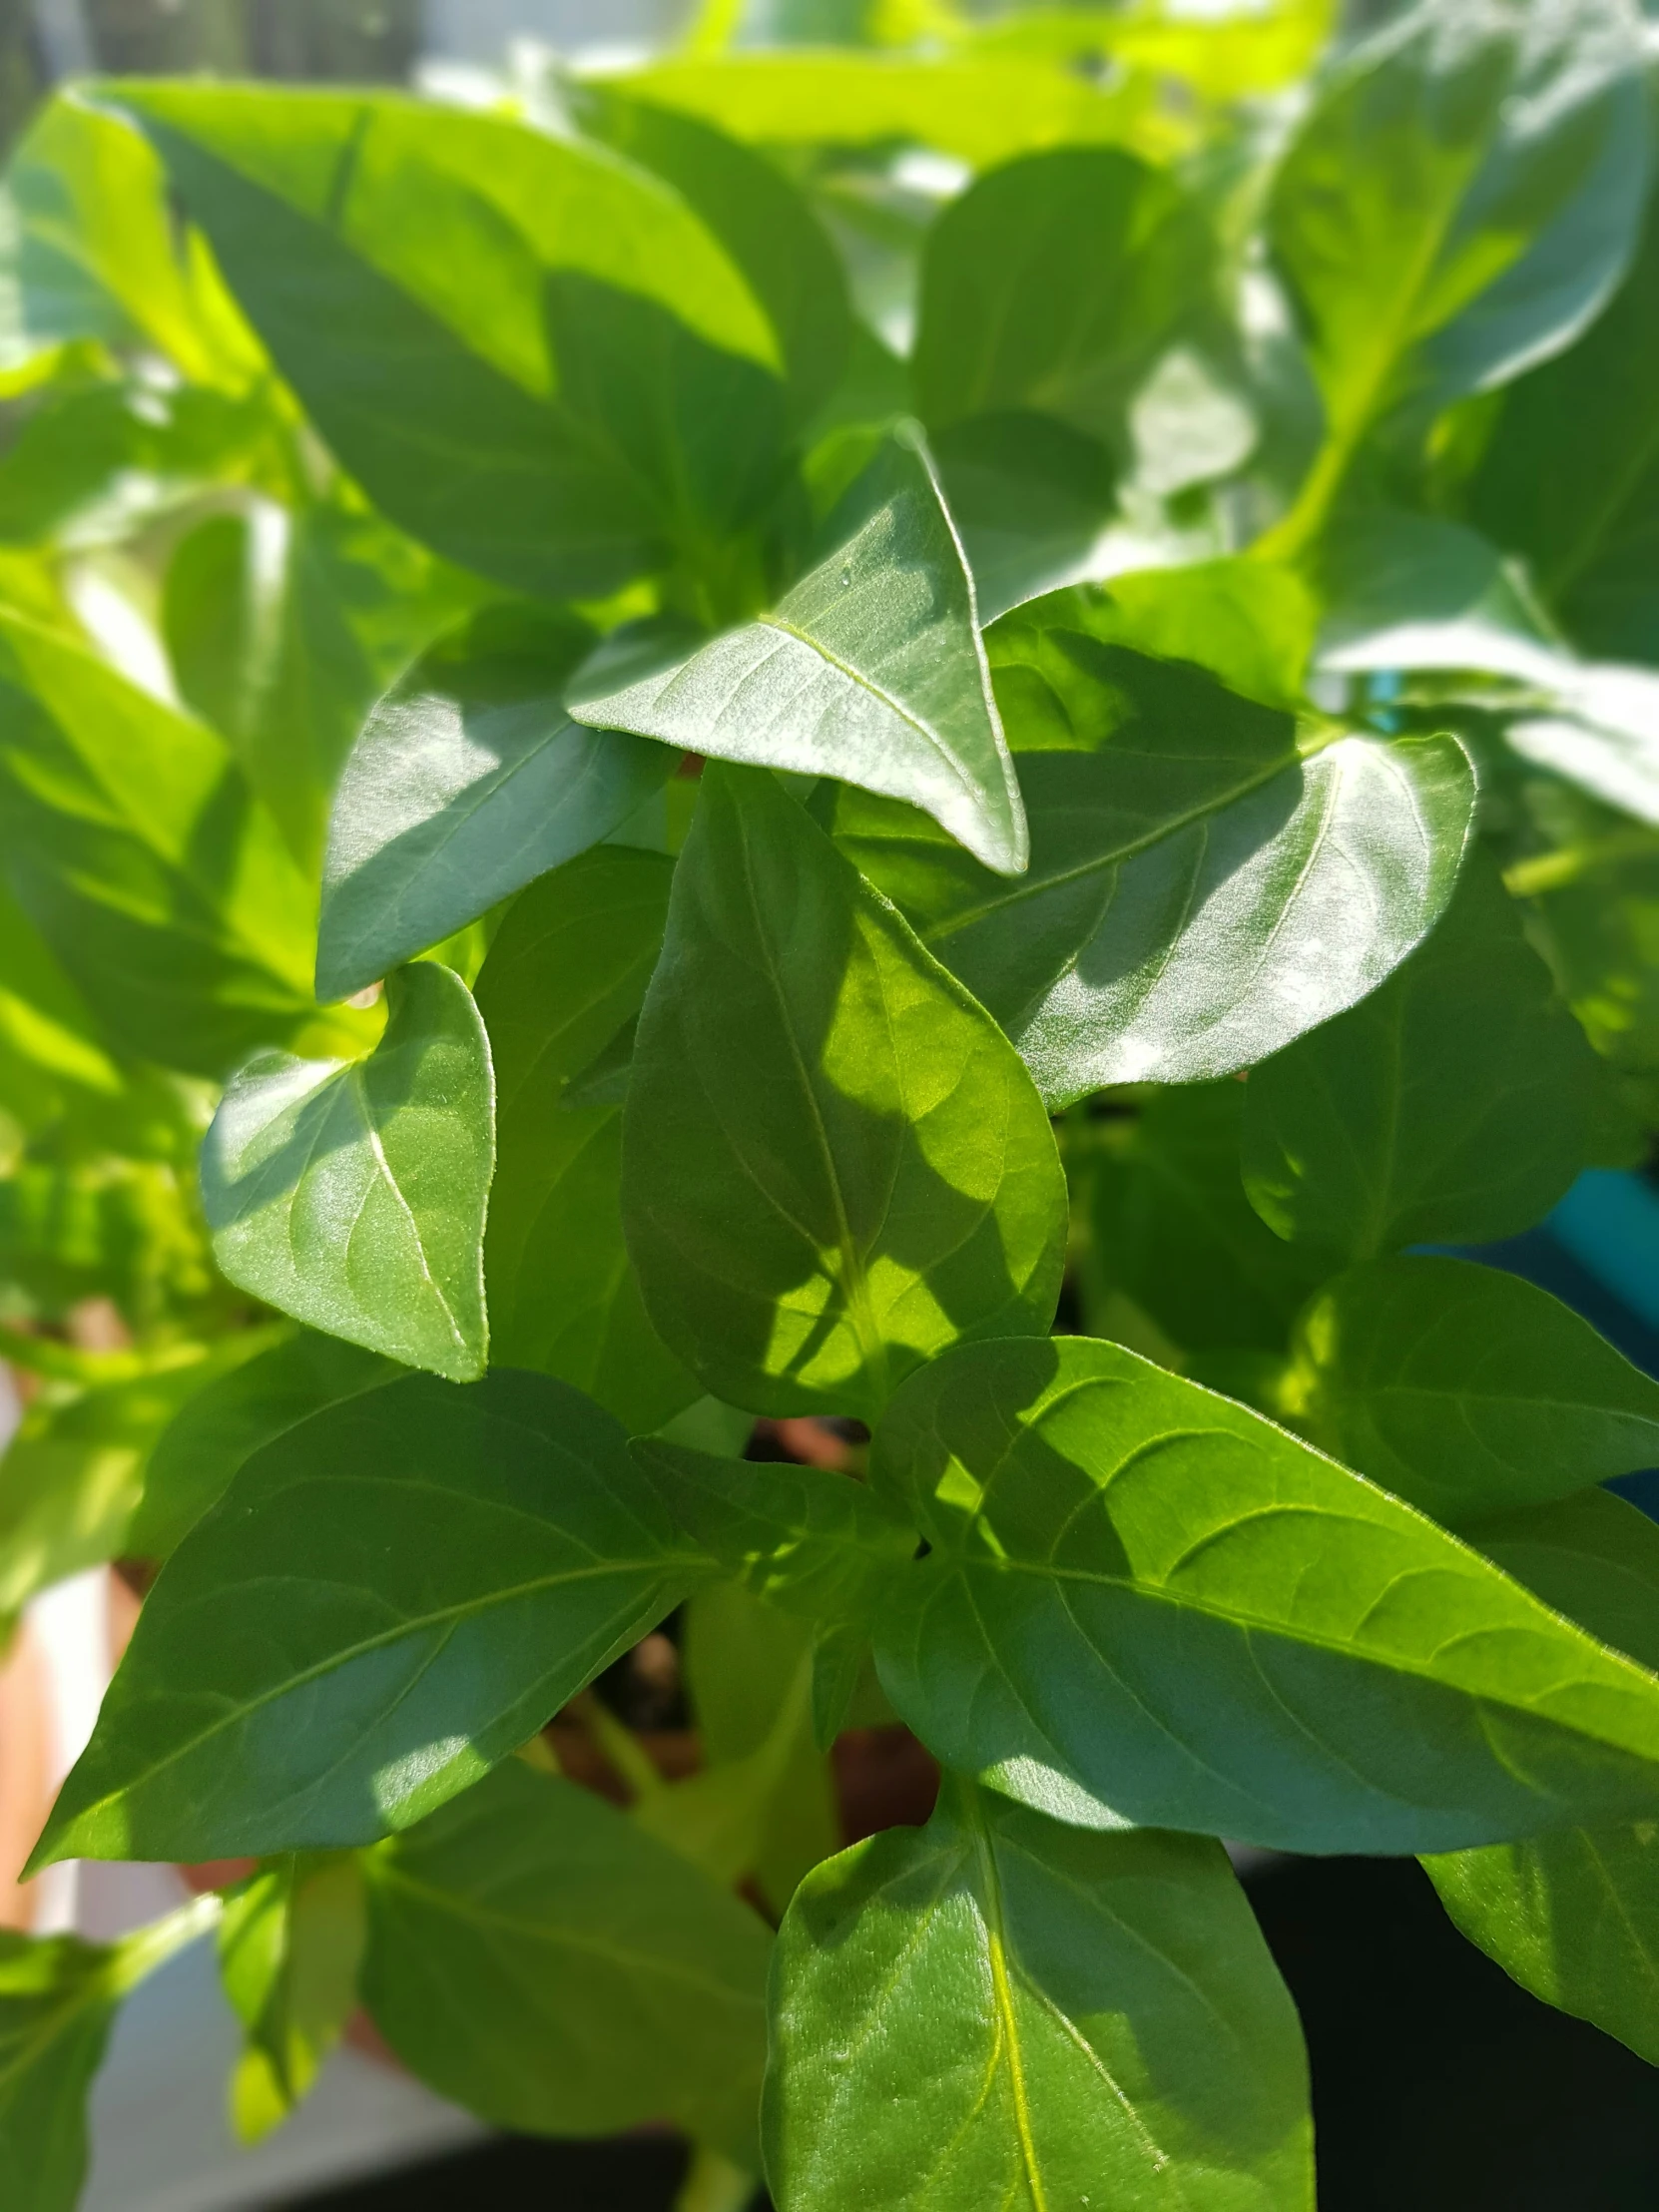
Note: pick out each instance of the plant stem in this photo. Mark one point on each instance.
(714, 2184)
(1552, 872)
(138, 1955)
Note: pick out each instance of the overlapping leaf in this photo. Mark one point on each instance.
(1144, 1603)
(834, 1165)
(534, 1955)
(389, 1599)
(1207, 877)
(289, 1949)
(1455, 1104)
(998, 2009)
(869, 669)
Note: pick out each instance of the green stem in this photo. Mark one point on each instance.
(66, 1362)
(139, 1954)
(714, 2184)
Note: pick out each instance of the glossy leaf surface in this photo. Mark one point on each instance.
(389, 1599)
(1145, 1604)
(834, 1164)
(997, 2010)
(1207, 880)
(869, 669)
(1469, 1391)
(1453, 1105)
(564, 977)
(536, 1957)
(353, 1196)
(468, 780)
(1574, 1915)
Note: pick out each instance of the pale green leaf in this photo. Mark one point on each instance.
(351, 1195)
(288, 1949)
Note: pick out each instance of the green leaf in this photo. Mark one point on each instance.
(389, 1599)
(869, 669)
(983, 108)
(1174, 829)
(1469, 1391)
(88, 249)
(759, 217)
(532, 356)
(1572, 473)
(282, 629)
(564, 979)
(1052, 285)
(801, 1538)
(57, 2005)
(74, 1476)
(468, 780)
(832, 1165)
(289, 1949)
(134, 845)
(1574, 1915)
(47, 1036)
(1144, 1603)
(750, 1674)
(1454, 1105)
(1172, 1229)
(1458, 204)
(538, 1959)
(1030, 499)
(996, 2010)
(351, 1194)
(222, 1426)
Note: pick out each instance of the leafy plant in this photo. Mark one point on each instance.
(690, 751)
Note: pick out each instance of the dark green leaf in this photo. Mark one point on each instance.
(1207, 877)
(996, 2010)
(538, 1959)
(1453, 1105)
(1574, 1915)
(468, 780)
(57, 2004)
(564, 977)
(351, 1195)
(1172, 1229)
(1030, 498)
(871, 669)
(225, 1423)
(1469, 1391)
(532, 355)
(1144, 1603)
(135, 846)
(1457, 205)
(387, 1600)
(833, 1163)
(1052, 285)
(1570, 477)
(289, 1949)
(804, 1539)
(759, 217)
